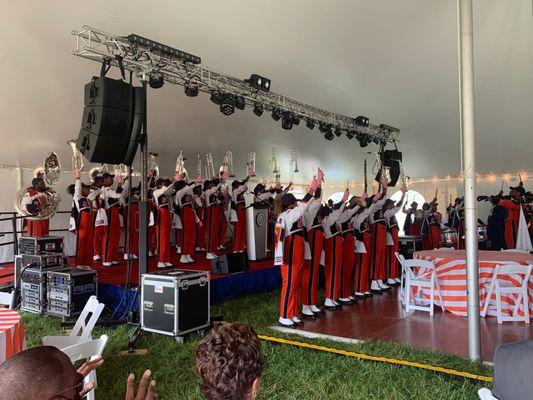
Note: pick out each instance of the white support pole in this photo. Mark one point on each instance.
(466, 84)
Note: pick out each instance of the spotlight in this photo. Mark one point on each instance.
(227, 106)
(239, 102)
(362, 121)
(258, 109)
(376, 140)
(191, 89)
(216, 98)
(295, 119)
(329, 135)
(350, 134)
(162, 48)
(322, 127)
(310, 123)
(156, 81)
(287, 120)
(362, 138)
(338, 132)
(276, 114)
(258, 82)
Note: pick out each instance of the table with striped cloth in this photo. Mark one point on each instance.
(451, 274)
(11, 334)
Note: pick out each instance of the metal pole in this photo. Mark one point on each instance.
(143, 203)
(466, 83)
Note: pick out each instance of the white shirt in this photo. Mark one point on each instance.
(107, 192)
(391, 213)
(237, 191)
(162, 191)
(210, 192)
(331, 220)
(184, 191)
(310, 214)
(376, 206)
(77, 194)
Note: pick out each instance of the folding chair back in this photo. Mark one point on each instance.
(87, 319)
(423, 275)
(5, 299)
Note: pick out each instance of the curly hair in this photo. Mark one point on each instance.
(228, 361)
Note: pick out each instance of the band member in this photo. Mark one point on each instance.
(131, 214)
(412, 222)
(378, 230)
(33, 200)
(200, 215)
(164, 219)
(238, 213)
(430, 227)
(223, 209)
(361, 224)
(112, 200)
(333, 251)
(513, 214)
(212, 221)
(456, 220)
(83, 199)
(184, 199)
(315, 241)
(389, 214)
(100, 220)
(290, 251)
(348, 254)
(177, 225)
(152, 218)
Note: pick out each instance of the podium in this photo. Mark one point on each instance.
(257, 232)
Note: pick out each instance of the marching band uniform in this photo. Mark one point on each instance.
(362, 277)
(32, 201)
(184, 199)
(511, 222)
(177, 225)
(212, 220)
(224, 201)
(100, 226)
(378, 230)
(131, 214)
(411, 225)
(393, 229)
(289, 254)
(163, 224)
(430, 231)
(111, 237)
(200, 214)
(456, 220)
(238, 216)
(315, 241)
(348, 255)
(84, 224)
(333, 256)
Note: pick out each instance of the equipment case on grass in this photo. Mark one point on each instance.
(175, 302)
(68, 290)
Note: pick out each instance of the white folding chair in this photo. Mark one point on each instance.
(444, 248)
(423, 279)
(6, 299)
(87, 350)
(83, 327)
(485, 394)
(403, 276)
(501, 286)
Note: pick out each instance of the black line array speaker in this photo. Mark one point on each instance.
(392, 160)
(112, 121)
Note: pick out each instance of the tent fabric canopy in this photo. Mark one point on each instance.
(395, 62)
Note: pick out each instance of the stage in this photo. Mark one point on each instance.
(382, 318)
(260, 277)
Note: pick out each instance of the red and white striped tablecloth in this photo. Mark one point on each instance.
(11, 334)
(451, 274)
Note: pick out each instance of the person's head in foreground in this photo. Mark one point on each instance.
(43, 372)
(229, 362)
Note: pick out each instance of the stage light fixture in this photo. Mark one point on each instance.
(239, 102)
(287, 120)
(156, 81)
(389, 128)
(227, 106)
(276, 114)
(216, 98)
(376, 140)
(338, 132)
(259, 82)
(329, 135)
(191, 89)
(350, 134)
(162, 48)
(258, 109)
(295, 119)
(310, 123)
(362, 121)
(362, 138)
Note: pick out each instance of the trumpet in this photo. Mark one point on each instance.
(275, 171)
(294, 161)
(199, 166)
(77, 160)
(250, 163)
(153, 168)
(227, 165)
(180, 165)
(209, 166)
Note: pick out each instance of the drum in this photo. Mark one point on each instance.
(449, 237)
(481, 233)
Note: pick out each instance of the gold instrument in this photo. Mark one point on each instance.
(77, 160)
(250, 163)
(294, 161)
(227, 165)
(274, 162)
(180, 165)
(199, 166)
(153, 168)
(404, 179)
(50, 172)
(121, 170)
(209, 166)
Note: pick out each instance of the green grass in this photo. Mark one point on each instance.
(291, 372)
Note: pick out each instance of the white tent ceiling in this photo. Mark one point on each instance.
(393, 61)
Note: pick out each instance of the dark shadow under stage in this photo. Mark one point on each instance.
(382, 318)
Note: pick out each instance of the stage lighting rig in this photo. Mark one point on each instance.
(258, 82)
(287, 121)
(162, 49)
(362, 121)
(239, 103)
(276, 114)
(227, 106)
(258, 109)
(310, 123)
(156, 80)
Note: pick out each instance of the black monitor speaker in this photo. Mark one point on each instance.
(392, 160)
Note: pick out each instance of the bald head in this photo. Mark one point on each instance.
(37, 373)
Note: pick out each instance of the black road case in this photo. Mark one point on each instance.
(33, 291)
(68, 290)
(40, 244)
(175, 302)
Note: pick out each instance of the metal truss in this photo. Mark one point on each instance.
(100, 46)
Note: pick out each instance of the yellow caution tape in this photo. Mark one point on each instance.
(362, 356)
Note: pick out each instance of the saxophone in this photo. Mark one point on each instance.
(180, 165)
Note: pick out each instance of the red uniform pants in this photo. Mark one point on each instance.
(133, 228)
(348, 262)
(333, 248)
(315, 238)
(84, 238)
(510, 228)
(239, 240)
(223, 225)
(37, 228)
(99, 232)
(200, 228)
(111, 237)
(362, 271)
(392, 261)
(188, 232)
(291, 275)
(379, 248)
(163, 228)
(212, 228)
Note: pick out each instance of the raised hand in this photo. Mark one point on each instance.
(314, 185)
(77, 173)
(364, 196)
(146, 391)
(377, 196)
(346, 195)
(199, 179)
(319, 175)
(85, 369)
(179, 177)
